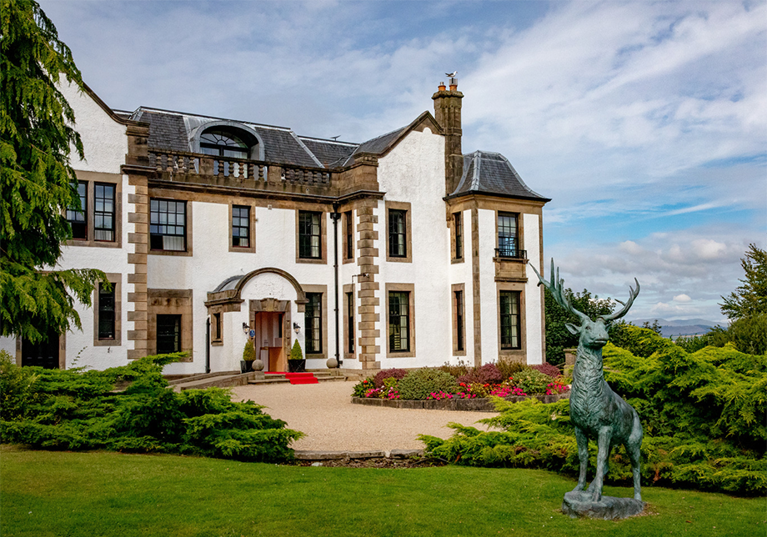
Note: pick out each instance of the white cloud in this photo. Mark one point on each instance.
(683, 273)
(650, 115)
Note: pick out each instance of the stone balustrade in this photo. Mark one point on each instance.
(180, 166)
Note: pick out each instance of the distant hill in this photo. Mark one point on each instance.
(680, 327)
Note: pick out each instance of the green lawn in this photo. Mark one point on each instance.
(47, 493)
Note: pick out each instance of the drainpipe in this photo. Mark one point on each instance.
(207, 346)
(335, 215)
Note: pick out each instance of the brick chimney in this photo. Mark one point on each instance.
(447, 112)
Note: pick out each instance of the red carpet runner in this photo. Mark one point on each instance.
(297, 378)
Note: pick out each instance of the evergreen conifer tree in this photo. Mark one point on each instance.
(750, 298)
(36, 179)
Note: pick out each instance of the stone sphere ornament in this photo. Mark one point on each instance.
(258, 365)
(598, 413)
(332, 363)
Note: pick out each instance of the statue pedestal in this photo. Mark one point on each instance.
(579, 504)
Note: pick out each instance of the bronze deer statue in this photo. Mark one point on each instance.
(596, 411)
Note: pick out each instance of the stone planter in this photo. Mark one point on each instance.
(297, 366)
(479, 404)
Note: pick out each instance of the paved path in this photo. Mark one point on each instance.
(332, 423)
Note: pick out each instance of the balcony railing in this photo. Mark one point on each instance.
(181, 163)
(510, 253)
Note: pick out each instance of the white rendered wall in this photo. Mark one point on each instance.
(414, 172)
(80, 349)
(345, 273)
(487, 289)
(461, 273)
(104, 140)
(533, 305)
(105, 145)
(212, 263)
(8, 344)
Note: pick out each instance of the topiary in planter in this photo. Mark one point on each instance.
(398, 374)
(295, 352)
(419, 383)
(249, 352)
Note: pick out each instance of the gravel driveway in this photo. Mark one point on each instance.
(332, 423)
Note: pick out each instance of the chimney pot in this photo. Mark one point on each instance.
(453, 87)
(441, 86)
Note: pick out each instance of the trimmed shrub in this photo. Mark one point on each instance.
(76, 409)
(398, 374)
(531, 381)
(249, 352)
(486, 374)
(295, 352)
(702, 415)
(419, 383)
(17, 388)
(547, 369)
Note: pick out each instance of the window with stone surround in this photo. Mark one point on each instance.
(309, 235)
(106, 312)
(168, 334)
(397, 233)
(348, 246)
(95, 217)
(107, 309)
(350, 323)
(508, 244)
(313, 320)
(104, 212)
(216, 329)
(170, 319)
(399, 321)
(458, 236)
(459, 325)
(510, 320)
(76, 214)
(240, 226)
(167, 225)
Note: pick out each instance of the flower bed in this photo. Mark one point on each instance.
(483, 404)
(460, 387)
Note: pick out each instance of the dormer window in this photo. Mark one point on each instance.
(222, 143)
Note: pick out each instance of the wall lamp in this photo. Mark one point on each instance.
(245, 328)
(296, 328)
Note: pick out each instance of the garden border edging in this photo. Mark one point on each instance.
(479, 404)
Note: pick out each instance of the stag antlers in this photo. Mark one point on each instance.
(556, 287)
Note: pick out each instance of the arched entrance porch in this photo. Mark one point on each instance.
(274, 302)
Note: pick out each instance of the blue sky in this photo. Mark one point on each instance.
(645, 122)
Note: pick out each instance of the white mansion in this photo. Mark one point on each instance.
(397, 252)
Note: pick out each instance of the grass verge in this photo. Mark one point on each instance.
(46, 493)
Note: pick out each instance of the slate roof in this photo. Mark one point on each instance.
(174, 131)
(491, 173)
(331, 154)
(166, 131)
(483, 171)
(376, 145)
